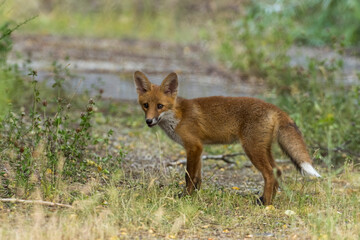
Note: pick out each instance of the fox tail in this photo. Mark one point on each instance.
(292, 144)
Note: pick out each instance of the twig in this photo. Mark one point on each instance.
(9, 31)
(178, 162)
(41, 202)
(223, 157)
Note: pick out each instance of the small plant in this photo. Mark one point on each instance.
(5, 47)
(39, 149)
(5, 41)
(47, 142)
(7, 71)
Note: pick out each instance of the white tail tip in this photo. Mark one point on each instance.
(308, 169)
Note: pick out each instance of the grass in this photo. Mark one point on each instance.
(173, 21)
(138, 203)
(92, 25)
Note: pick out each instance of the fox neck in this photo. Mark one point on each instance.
(168, 123)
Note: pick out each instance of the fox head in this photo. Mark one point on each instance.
(156, 100)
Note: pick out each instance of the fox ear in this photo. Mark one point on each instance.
(142, 83)
(170, 84)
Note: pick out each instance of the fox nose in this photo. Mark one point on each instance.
(148, 121)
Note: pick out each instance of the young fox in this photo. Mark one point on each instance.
(223, 120)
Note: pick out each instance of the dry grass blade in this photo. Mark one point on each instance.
(41, 202)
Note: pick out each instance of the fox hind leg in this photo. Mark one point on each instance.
(261, 157)
(276, 171)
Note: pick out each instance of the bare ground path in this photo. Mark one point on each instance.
(114, 61)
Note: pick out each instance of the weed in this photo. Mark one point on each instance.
(40, 149)
(45, 143)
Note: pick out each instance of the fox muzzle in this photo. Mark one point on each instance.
(151, 121)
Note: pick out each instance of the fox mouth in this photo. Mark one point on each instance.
(154, 122)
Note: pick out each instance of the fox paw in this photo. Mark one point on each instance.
(182, 194)
(179, 195)
(185, 193)
(260, 201)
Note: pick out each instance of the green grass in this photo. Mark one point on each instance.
(111, 25)
(126, 19)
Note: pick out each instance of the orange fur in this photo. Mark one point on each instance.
(223, 120)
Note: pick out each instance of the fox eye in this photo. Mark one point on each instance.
(146, 105)
(160, 106)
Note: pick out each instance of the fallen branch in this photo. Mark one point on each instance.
(181, 161)
(41, 202)
(223, 157)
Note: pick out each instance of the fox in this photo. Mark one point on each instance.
(193, 123)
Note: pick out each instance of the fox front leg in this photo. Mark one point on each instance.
(193, 168)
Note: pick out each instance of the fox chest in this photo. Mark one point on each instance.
(168, 123)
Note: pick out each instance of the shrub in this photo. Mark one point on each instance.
(40, 148)
(325, 109)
